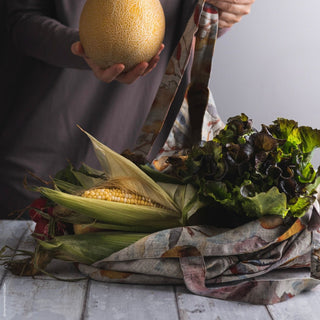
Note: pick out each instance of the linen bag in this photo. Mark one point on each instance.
(261, 262)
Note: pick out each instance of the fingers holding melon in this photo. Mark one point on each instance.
(117, 71)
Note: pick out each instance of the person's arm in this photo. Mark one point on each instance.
(36, 33)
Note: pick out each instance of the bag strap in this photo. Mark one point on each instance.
(198, 93)
(202, 26)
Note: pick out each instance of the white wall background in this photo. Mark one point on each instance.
(268, 65)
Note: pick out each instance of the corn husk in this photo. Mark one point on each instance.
(176, 202)
(115, 213)
(88, 248)
(102, 227)
(81, 248)
(116, 166)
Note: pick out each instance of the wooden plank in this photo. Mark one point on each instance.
(125, 301)
(193, 307)
(10, 235)
(11, 232)
(27, 298)
(305, 306)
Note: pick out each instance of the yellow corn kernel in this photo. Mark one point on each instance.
(118, 195)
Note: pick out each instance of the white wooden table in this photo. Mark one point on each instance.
(44, 298)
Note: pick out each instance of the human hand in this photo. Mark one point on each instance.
(115, 72)
(231, 11)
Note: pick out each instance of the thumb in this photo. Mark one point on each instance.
(77, 49)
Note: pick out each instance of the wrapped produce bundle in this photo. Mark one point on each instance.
(235, 218)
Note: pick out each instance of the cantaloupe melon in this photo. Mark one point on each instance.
(121, 31)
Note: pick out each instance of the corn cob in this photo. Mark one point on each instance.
(119, 195)
(114, 195)
(126, 198)
(89, 248)
(118, 215)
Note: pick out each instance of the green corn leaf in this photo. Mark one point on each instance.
(108, 226)
(87, 181)
(186, 198)
(114, 212)
(89, 248)
(69, 187)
